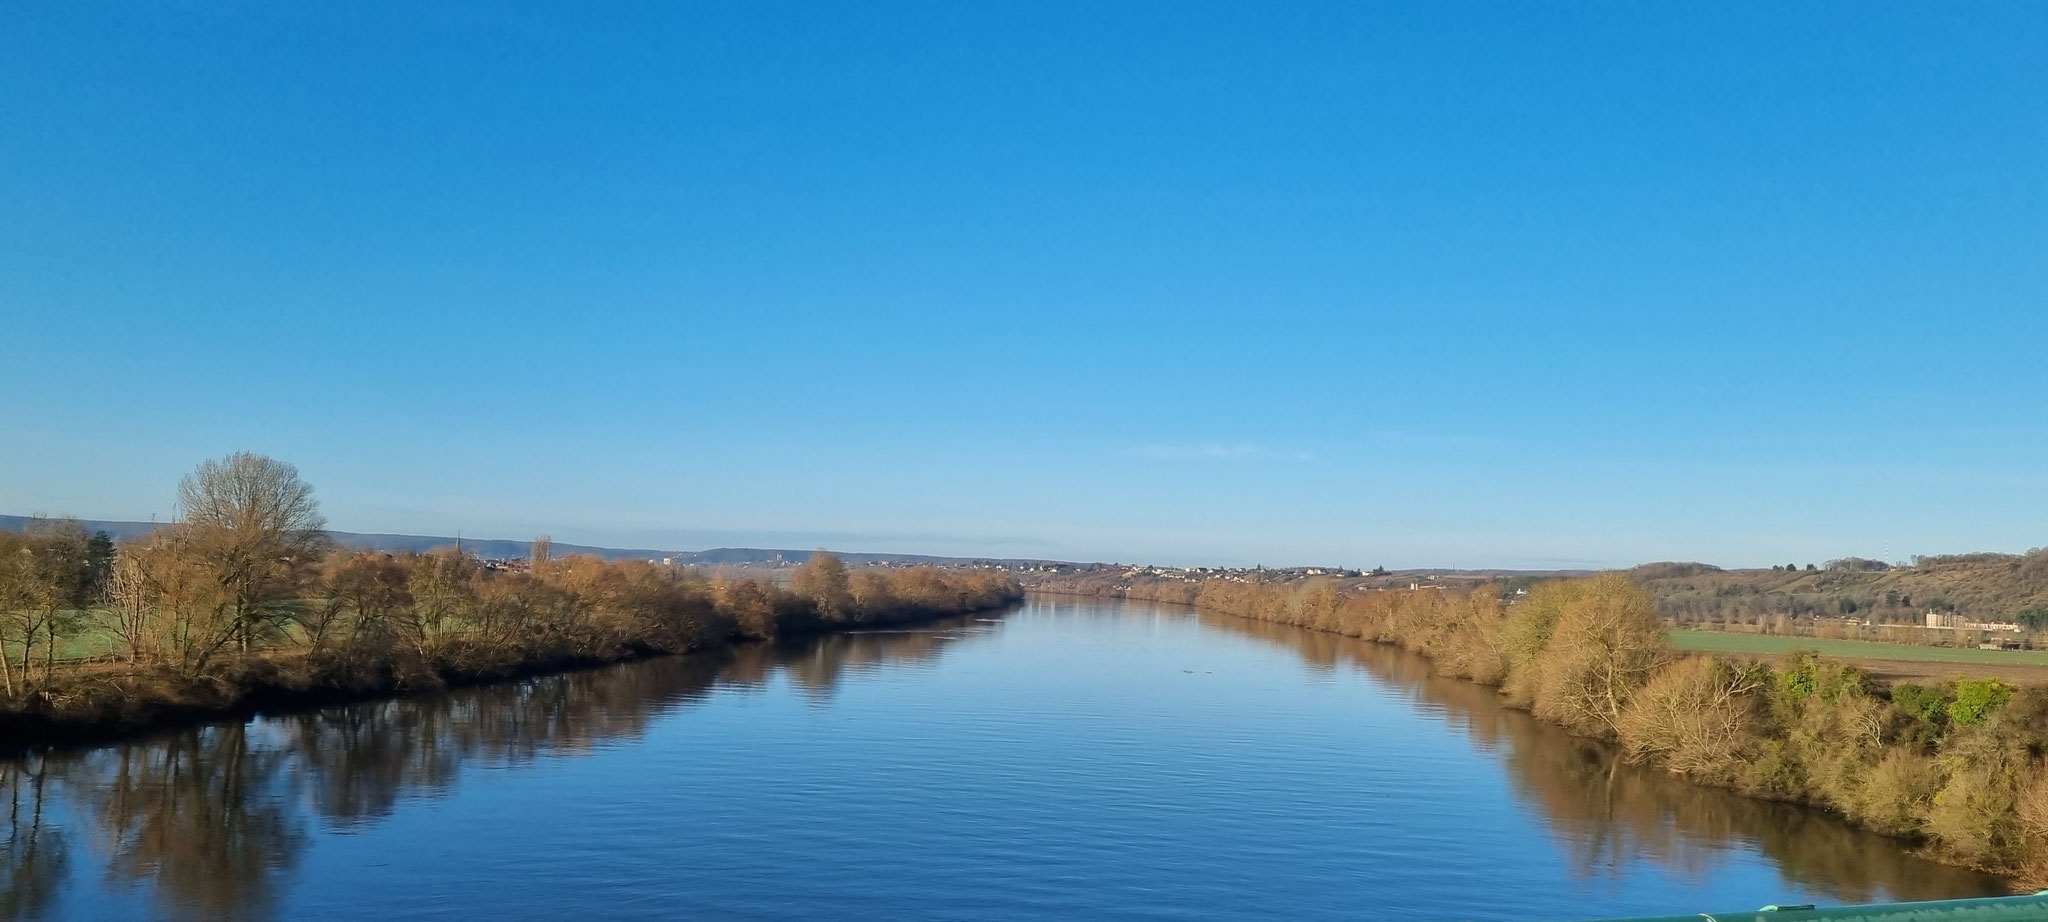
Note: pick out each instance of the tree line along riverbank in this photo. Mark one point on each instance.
(242, 604)
(1955, 766)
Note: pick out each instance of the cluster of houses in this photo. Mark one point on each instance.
(1951, 621)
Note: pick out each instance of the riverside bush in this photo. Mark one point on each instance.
(1958, 766)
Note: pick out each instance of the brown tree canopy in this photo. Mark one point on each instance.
(255, 498)
(246, 549)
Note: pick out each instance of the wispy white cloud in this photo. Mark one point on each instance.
(1215, 452)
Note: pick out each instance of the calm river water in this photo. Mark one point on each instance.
(1070, 759)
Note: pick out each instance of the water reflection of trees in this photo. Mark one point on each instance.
(33, 852)
(203, 813)
(820, 665)
(1602, 811)
(212, 819)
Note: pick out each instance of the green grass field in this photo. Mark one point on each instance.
(1764, 645)
(95, 638)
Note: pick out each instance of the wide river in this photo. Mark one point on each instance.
(1069, 759)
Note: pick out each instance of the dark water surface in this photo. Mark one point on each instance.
(1072, 759)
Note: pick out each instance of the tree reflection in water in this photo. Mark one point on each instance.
(34, 852)
(212, 819)
(1602, 810)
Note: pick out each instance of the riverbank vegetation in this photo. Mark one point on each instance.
(213, 821)
(1597, 804)
(1956, 765)
(242, 603)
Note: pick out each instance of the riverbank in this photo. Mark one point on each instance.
(575, 614)
(1225, 763)
(1953, 767)
(244, 604)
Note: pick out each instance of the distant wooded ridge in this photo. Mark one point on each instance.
(1671, 581)
(509, 548)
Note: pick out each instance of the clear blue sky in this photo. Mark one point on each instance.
(1426, 284)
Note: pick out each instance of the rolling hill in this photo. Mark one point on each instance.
(508, 548)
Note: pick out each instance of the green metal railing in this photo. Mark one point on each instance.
(1995, 909)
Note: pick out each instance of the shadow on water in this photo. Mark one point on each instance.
(1602, 810)
(211, 820)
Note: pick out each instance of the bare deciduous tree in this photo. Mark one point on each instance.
(822, 579)
(248, 542)
(1698, 716)
(1606, 645)
(132, 605)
